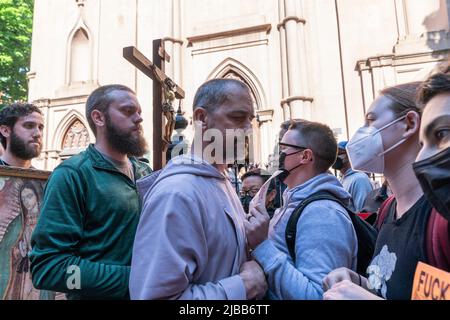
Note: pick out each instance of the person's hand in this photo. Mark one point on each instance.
(257, 226)
(254, 280)
(339, 275)
(347, 290)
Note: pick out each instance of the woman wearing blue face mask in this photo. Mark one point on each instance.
(388, 144)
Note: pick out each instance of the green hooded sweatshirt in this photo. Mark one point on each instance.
(83, 240)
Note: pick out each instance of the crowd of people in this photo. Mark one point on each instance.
(111, 228)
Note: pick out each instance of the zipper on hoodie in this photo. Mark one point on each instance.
(133, 184)
(113, 169)
(130, 182)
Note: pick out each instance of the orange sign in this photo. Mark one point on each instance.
(430, 283)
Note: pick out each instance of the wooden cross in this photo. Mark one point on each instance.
(164, 92)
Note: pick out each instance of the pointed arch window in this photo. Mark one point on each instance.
(234, 75)
(75, 140)
(80, 57)
(231, 68)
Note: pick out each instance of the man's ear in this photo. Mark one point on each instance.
(98, 118)
(200, 115)
(5, 131)
(307, 156)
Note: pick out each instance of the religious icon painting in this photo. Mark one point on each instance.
(21, 193)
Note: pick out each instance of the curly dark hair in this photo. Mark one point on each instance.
(10, 114)
(434, 85)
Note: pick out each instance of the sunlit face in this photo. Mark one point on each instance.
(25, 139)
(234, 114)
(292, 154)
(380, 114)
(292, 145)
(29, 198)
(123, 123)
(125, 112)
(435, 126)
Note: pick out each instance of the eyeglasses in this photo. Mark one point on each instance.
(251, 192)
(282, 144)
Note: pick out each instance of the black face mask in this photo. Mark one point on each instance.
(338, 165)
(282, 176)
(245, 201)
(434, 178)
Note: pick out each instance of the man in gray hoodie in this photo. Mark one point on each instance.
(325, 237)
(190, 242)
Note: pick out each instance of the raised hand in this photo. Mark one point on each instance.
(257, 226)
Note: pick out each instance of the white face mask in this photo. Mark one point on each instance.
(365, 149)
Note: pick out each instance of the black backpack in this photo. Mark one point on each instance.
(365, 233)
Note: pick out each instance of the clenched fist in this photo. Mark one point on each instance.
(254, 280)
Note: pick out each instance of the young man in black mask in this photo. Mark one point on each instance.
(252, 181)
(325, 237)
(432, 166)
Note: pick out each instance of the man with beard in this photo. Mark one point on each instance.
(82, 243)
(21, 127)
(190, 243)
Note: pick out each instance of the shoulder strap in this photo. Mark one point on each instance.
(383, 211)
(291, 228)
(438, 241)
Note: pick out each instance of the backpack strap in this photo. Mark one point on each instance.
(438, 241)
(291, 228)
(383, 211)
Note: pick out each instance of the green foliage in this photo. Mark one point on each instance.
(16, 21)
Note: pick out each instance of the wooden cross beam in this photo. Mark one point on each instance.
(155, 71)
(140, 61)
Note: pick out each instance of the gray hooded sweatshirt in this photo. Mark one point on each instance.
(325, 240)
(190, 241)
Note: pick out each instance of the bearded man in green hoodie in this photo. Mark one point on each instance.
(83, 241)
